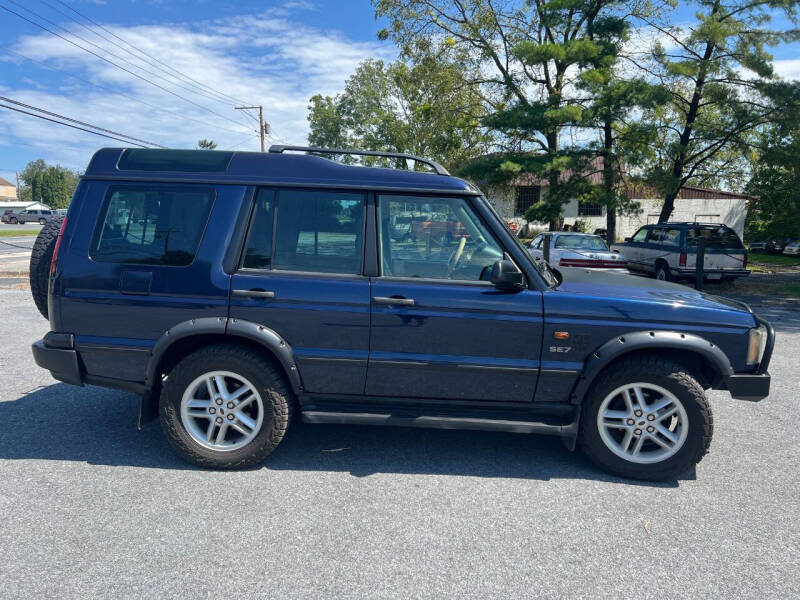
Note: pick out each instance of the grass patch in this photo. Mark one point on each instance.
(18, 232)
(774, 259)
(791, 289)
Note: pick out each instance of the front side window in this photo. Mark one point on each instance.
(152, 225)
(445, 239)
(640, 235)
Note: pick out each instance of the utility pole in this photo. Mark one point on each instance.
(262, 126)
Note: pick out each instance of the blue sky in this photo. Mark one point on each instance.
(275, 53)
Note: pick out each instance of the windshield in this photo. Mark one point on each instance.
(542, 267)
(581, 242)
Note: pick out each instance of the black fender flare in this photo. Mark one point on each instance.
(648, 340)
(263, 336)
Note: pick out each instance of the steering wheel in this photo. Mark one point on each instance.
(456, 256)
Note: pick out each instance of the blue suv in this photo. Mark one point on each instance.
(237, 291)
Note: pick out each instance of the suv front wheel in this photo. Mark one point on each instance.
(646, 418)
(225, 407)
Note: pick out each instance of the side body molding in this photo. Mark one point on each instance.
(648, 340)
(231, 327)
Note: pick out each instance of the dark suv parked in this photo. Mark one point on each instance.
(236, 291)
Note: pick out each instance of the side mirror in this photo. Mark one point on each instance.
(627, 239)
(506, 276)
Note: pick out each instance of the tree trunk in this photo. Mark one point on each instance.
(609, 182)
(553, 180)
(679, 163)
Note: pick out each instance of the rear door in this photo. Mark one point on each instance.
(301, 276)
(140, 259)
(440, 329)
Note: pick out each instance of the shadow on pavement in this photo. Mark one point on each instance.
(98, 426)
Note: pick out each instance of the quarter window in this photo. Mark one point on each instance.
(152, 226)
(434, 238)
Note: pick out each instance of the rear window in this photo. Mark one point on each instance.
(581, 242)
(716, 236)
(151, 225)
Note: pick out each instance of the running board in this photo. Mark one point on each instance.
(567, 431)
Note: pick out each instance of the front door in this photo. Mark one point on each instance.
(300, 276)
(439, 327)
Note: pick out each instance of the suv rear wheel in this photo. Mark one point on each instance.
(646, 418)
(662, 271)
(225, 407)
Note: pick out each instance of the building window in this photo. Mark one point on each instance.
(590, 209)
(527, 196)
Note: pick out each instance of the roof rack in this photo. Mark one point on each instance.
(279, 149)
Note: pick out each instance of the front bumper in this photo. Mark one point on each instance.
(61, 362)
(754, 386)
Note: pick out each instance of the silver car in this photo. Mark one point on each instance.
(792, 248)
(578, 250)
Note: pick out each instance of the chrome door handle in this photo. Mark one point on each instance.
(393, 301)
(253, 294)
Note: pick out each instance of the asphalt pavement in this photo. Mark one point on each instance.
(91, 507)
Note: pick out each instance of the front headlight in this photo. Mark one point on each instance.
(756, 345)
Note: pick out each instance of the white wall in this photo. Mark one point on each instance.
(730, 211)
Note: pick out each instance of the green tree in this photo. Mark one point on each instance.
(527, 58)
(205, 144)
(723, 89)
(50, 185)
(775, 210)
(425, 108)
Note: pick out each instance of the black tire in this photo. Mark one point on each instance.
(13, 220)
(272, 385)
(669, 375)
(41, 255)
(662, 272)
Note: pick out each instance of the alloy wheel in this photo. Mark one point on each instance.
(222, 411)
(642, 423)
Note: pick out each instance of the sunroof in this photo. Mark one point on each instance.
(187, 161)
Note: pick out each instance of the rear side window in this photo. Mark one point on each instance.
(315, 231)
(151, 225)
(716, 236)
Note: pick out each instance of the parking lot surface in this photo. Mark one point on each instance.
(92, 507)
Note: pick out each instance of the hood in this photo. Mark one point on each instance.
(663, 300)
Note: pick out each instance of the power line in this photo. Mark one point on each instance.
(179, 83)
(52, 114)
(231, 98)
(119, 93)
(24, 18)
(19, 110)
(117, 56)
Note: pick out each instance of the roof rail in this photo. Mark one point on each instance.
(279, 149)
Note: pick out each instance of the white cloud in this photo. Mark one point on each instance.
(788, 68)
(267, 59)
